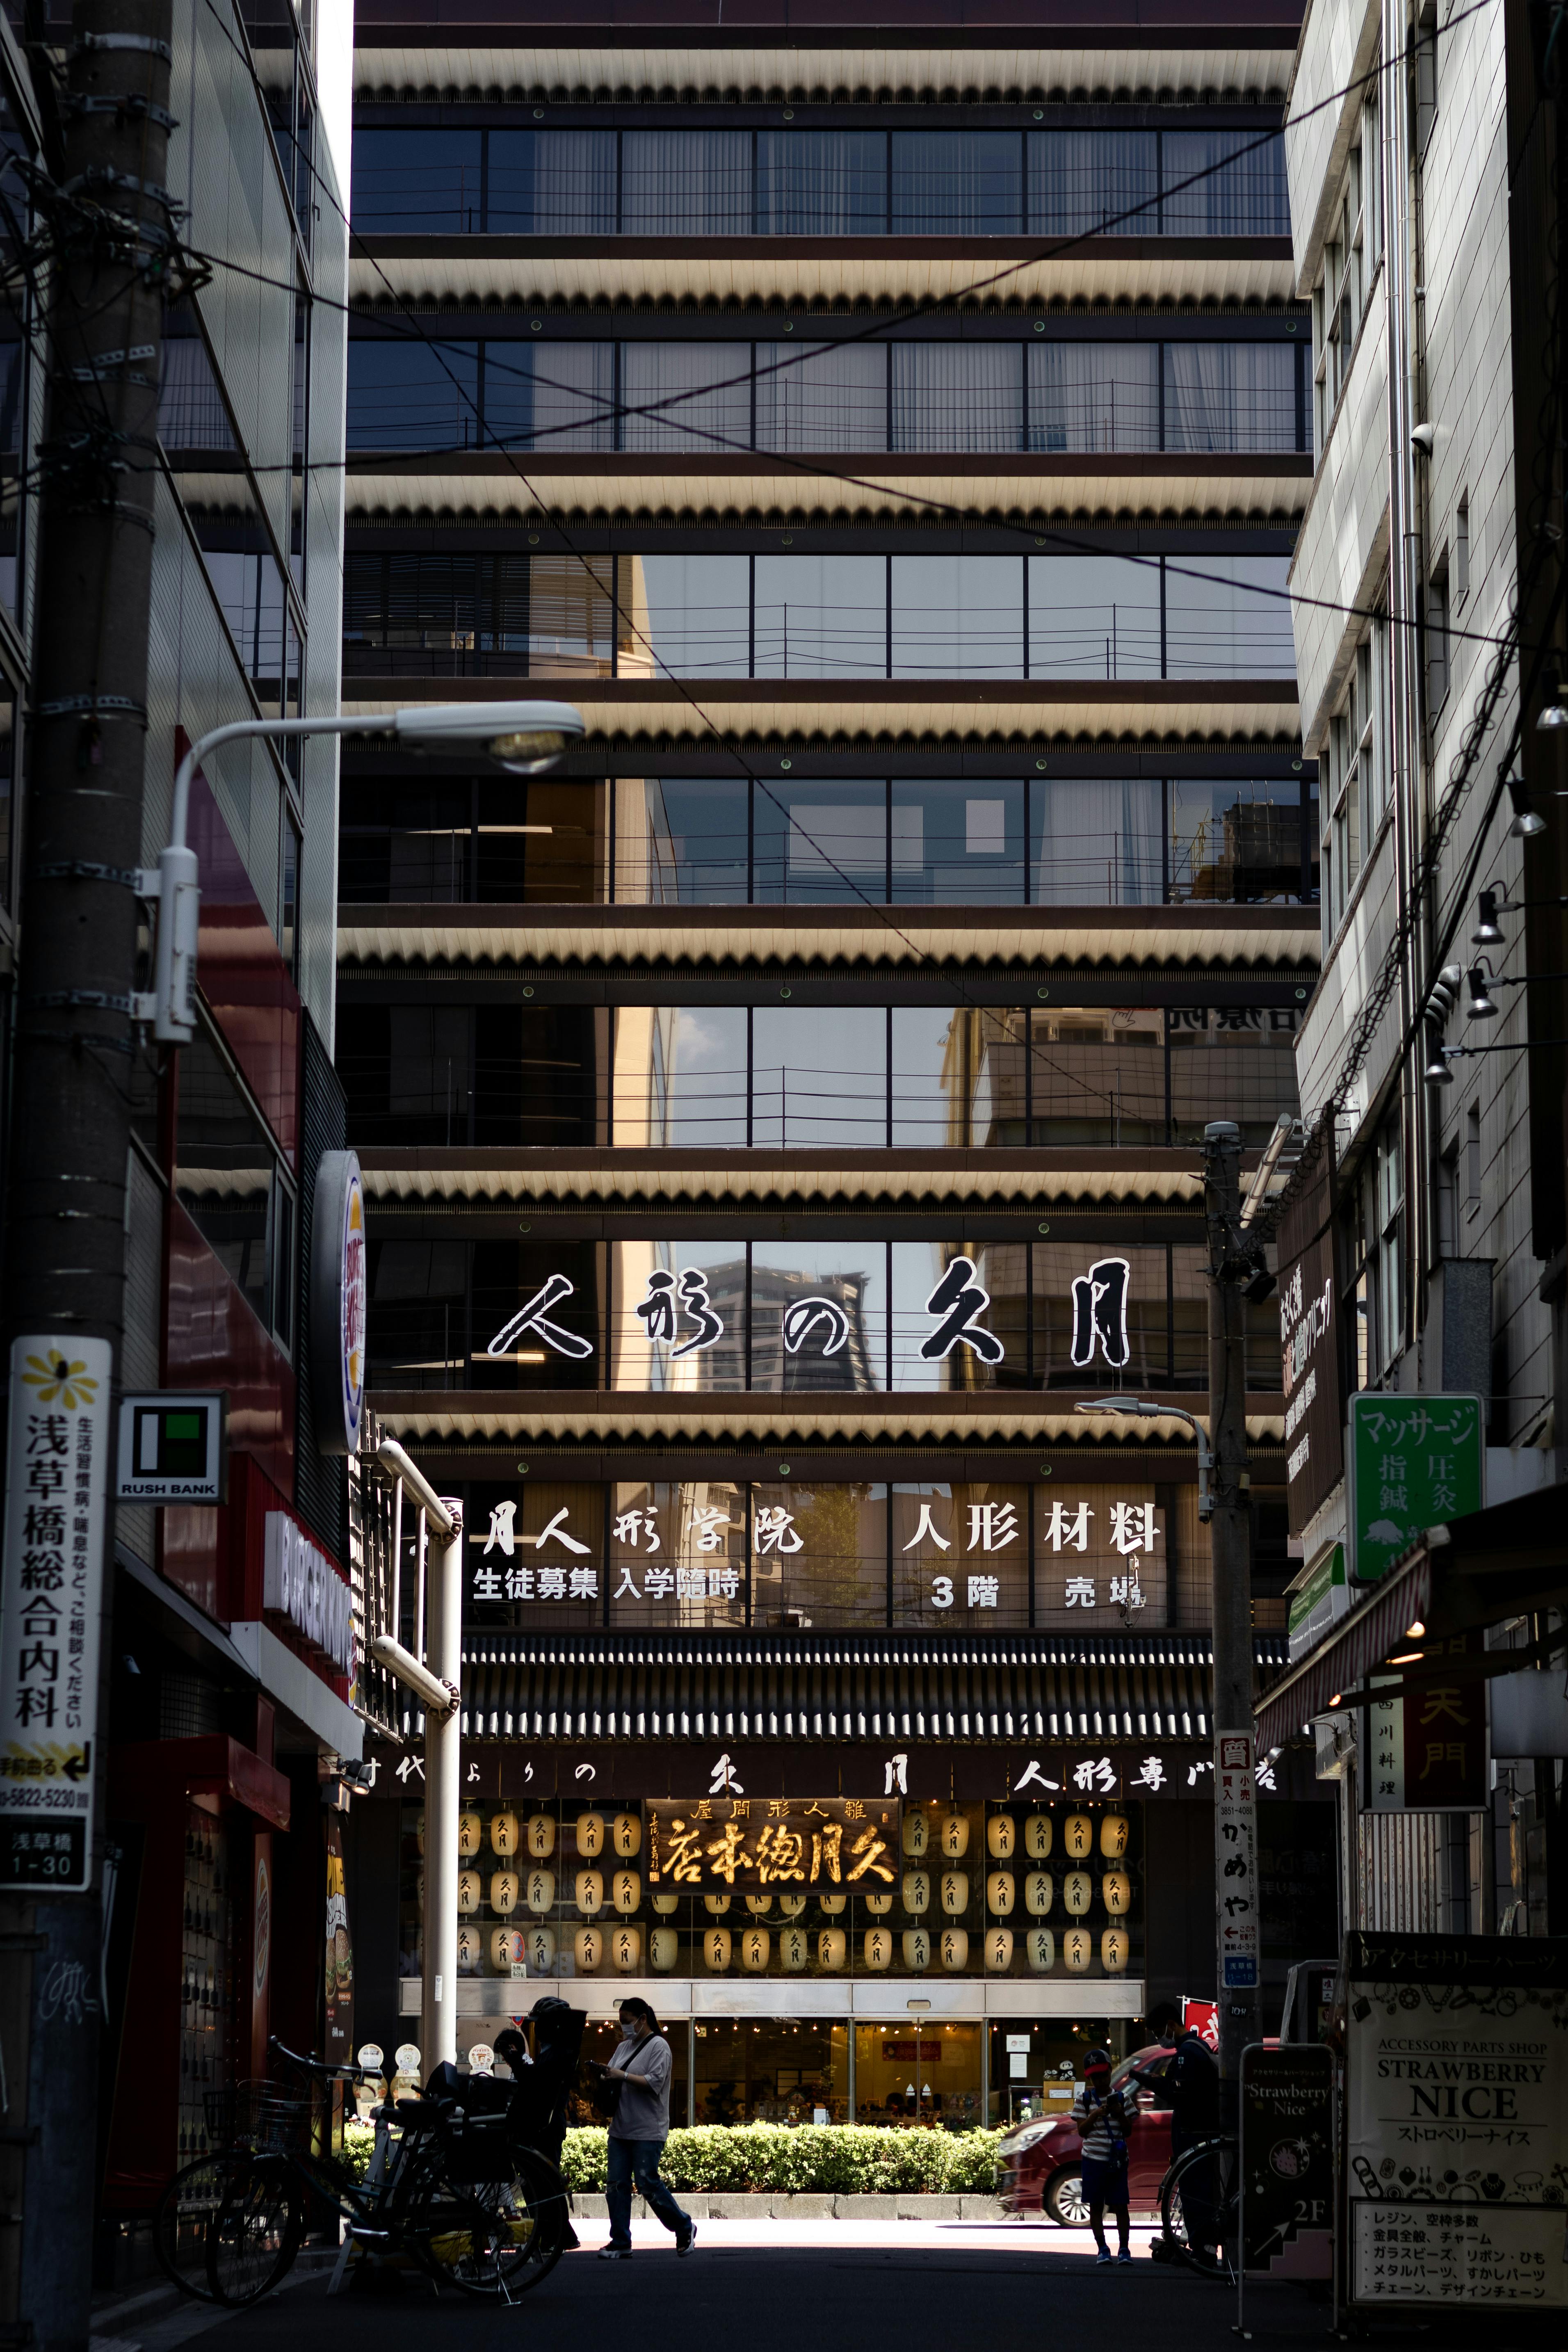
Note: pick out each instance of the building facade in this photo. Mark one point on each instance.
(781, 1120)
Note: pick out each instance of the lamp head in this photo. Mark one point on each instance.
(523, 738)
(1485, 933)
(1553, 715)
(1480, 1006)
(1118, 1404)
(1437, 1072)
(1525, 821)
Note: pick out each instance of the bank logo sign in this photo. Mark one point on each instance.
(171, 1450)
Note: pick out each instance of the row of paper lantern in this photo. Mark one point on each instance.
(535, 1837)
(535, 1948)
(948, 1837)
(623, 1892)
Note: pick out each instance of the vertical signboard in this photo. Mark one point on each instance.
(56, 1475)
(340, 1960)
(1426, 1748)
(1415, 1463)
(1286, 2162)
(1310, 1340)
(1236, 1858)
(1457, 2120)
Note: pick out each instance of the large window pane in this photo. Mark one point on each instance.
(1236, 186)
(833, 398)
(1095, 1566)
(693, 397)
(821, 183)
(685, 616)
(559, 1345)
(533, 1556)
(1226, 396)
(418, 1324)
(417, 182)
(412, 395)
(681, 842)
(820, 843)
(956, 183)
(1093, 616)
(225, 1175)
(958, 1315)
(932, 1078)
(571, 615)
(534, 1080)
(819, 1554)
(961, 1555)
(957, 616)
(959, 845)
(551, 183)
(819, 1083)
(820, 1317)
(1236, 841)
(686, 183)
(821, 615)
(680, 1317)
(555, 396)
(405, 843)
(1098, 1075)
(678, 1553)
(1110, 1301)
(1228, 616)
(1082, 181)
(1240, 1054)
(1086, 398)
(1096, 844)
(680, 1077)
(958, 397)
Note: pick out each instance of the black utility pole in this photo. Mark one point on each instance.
(107, 227)
(1233, 1264)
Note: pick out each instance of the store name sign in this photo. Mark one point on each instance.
(826, 1842)
(301, 1583)
(170, 1449)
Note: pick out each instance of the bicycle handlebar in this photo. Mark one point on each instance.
(321, 2066)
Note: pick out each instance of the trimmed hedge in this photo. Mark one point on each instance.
(847, 2158)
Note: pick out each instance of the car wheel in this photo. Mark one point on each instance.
(1063, 2199)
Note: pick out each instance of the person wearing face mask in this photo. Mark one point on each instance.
(1101, 2120)
(634, 2089)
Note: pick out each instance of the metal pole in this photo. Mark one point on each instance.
(1236, 1808)
(443, 1770)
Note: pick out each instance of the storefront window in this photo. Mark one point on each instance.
(771, 2070)
(907, 2072)
(1037, 2063)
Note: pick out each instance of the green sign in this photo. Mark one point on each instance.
(1415, 1462)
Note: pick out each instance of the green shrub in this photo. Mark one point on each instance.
(358, 2147)
(584, 2158)
(844, 2160)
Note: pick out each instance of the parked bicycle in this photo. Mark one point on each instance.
(454, 2183)
(1200, 2209)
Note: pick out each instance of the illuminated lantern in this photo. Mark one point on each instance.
(471, 1949)
(999, 1892)
(468, 1890)
(917, 1891)
(954, 1892)
(1038, 1831)
(625, 1948)
(1115, 1949)
(1078, 1836)
(756, 1950)
(625, 1890)
(955, 1948)
(795, 1947)
(1040, 1949)
(503, 1892)
(470, 1829)
(540, 1950)
(759, 1906)
(540, 1836)
(664, 1948)
(1078, 1949)
(955, 1837)
(664, 1905)
(916, 1834)
(509, 1950)
(1038, 1889)
(1001, 1837)
(878, 1947)
(589, 1892)
(503, 1833)
(626, 1836)
(831, 1948)
(1114, 1836)
(542, 1890)
(999, 1948)
(878, 1906)
(917, 1950)
(716, 1948)
(717, 1905)
(1117, 1889)
(590, 1836)
(590, 1948)
(1078, 1891)
(833, 1904)
(792, 1905)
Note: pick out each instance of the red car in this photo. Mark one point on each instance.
(1039, 2163)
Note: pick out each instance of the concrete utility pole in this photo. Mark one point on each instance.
(443, 1797)
(1233, 1262)
(110, 230)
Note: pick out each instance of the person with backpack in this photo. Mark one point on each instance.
(633, 2090)
(1189, 2086)
(1101, 2120)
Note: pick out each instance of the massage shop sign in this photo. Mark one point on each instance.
(1457, 2120)
(51, 1588)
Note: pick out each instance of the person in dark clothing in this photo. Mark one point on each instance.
(1190, 2083)
(1101, 2120)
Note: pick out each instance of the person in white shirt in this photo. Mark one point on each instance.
(640, 2068)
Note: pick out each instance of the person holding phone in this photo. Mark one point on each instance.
(635, 2090)
(1101, 2120)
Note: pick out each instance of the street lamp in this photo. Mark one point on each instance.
(522, 738)
(1147, 1409)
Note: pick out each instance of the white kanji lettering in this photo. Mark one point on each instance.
(927, 1527)
(1082, 1592)
(583, 1584)
(1064, 1527)
(1126, 1592)
(1133, 1528)
(776, 1530)
(500, 1538)
(984, 1591)
(992, 1525)
(1150, 1774)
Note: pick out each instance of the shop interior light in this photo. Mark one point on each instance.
(1480, 1006)
(1526, 823)
(1485, 933)
(1415, 1632)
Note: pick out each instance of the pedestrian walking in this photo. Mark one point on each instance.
(1190, 2084)
(1102, 2119)
(633, 2089)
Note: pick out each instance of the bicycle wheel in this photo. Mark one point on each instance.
(491, 2238)
(1199, 2207)
(228, 2227)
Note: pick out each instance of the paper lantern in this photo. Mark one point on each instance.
(542, 1890)
(717, 1905)
(1001, 1836)
(954, 1837)
(999, 1892)
(832, 1905)
(626, 1836)
(1078, 1836)
(795, 1947)
(716, 1945)
(917, 1950)
(509, 1950)
(1078, 1949)
(878, 1906)
(503, 1892)
(1039, 1887)
(470, 1949)
(916, 1834)
(759, 1906)
(541, 1952)
(954, 1892)
(590, 1836)
(503, 1833)
(1038, 1831)
(1114, 1836)
(1078, 1891)
(589, 1892)
(540, 1835)
(1115, 1950)
(590, 1948)
(625, 1948)
(626, 1890)
(955, 1948)
(756, 1949)
(469, 1891)
(999, 1948)
(831, 1948)
(792, 1905)
(666, 1904)
(917, 1891)
(1116, 1888)
(470, 1830)
(1040, 1949)
(664, 1948)
(878, 1947)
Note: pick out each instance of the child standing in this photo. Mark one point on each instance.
(1101, 2121)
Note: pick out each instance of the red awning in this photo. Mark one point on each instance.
(1357, 1645)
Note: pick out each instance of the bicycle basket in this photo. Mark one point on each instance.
(261, 2115)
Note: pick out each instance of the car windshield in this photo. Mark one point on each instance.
(1153, 2061)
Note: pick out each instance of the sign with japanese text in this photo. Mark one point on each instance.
(814, 1844)
(1236, 1857)
(1456, 2119)
(1309, 1339)
(1415, 1462)
(1286, 2162)
(56, 1478)
(1425, 1748)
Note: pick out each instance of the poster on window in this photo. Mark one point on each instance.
(340, 1960)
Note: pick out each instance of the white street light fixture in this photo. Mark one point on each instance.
(1149, 1409)
(523, 738)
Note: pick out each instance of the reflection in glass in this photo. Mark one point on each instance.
(691, 397)
(818, 1317)
(1098, 1075)
(819, 1553)
(1239, 842)
(571, 615)
(677, 1552)
(961, 1555)
(1087, 398)
(1056, 1267)
(958, 845)
(418, 183)
(821, 615)
(224, 1173)
(987, 1311)
(1096, 844)
(685, 616)
(680, 1317)
(930, 1087)
(835, 398)
(680, 1077)
(548, 183)
(956, 183)
(821, 842)
(1084, 183)
(1093, 616)
(957, 616)
(958, 397)
(559, 396)
(819, 1081)
(682, 841)
(1224, 396)
(418, 1315)
(1236, 185)
(509, 1276)
(412, 395)
(1228, 616)
(686, 183)
(1240, 1054)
